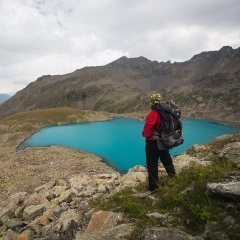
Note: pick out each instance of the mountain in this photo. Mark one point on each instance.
(4, 97)
(206, 86)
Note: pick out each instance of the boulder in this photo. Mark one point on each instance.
(228, 190)
(232, 152)
(33, 211)
(163, 233)
(26, 235)
(102, 220)
(12, 205)
(45, 187)
(65, 196)
(120, 232)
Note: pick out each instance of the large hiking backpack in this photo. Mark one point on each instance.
(171, 125)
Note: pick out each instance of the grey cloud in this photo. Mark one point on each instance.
(53, 37)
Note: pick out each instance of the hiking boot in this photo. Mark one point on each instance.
(151, 189)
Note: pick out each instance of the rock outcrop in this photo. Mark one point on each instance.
(59, 210)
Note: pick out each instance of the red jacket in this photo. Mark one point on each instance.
(152, 124)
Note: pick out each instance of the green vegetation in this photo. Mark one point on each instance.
(44, 116)
(30, 120)
(183, 198)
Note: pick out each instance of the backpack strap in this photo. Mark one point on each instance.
(155, 135)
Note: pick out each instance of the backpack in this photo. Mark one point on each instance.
(171, 125)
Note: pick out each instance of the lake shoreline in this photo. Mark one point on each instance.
(26, 169)
(119, 142)
(23, 170)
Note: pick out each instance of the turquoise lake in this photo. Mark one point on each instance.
(119, 141)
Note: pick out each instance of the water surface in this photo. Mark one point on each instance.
(119, 142)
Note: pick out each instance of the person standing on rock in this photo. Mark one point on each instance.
(153, 150)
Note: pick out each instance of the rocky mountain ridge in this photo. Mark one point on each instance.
(206, 86)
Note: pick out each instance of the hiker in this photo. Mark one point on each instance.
(154, 151)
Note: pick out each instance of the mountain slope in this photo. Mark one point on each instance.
(205, 86)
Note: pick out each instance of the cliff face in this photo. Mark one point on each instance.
(207, 86)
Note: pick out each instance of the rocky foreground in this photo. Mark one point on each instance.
(62, 209)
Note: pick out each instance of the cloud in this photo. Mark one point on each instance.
(40, 37)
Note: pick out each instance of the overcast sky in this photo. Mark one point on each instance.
(40, 37)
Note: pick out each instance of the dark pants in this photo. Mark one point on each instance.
(153, 154)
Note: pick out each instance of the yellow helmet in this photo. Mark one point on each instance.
(155, 99)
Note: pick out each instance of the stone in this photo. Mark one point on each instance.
(232, 152)
(67, 224)
(90, 191)
(131, 179)
(9, 235)
(228, 190)
(60, 182)
(19, 212)
(13, 203)
(144, 194)
(229, 221)
(102, 188)
(163, 233)
(137, 168)
(36, 199)
(14, 223)
(3, 229)
(107, 176)
(46, 230)
(67, 218)
(102, 220)
(210, 227)
(17, 199)
(197, 148)
(33, 211)
(47, 217)
(133, 176)
(35, 227)
(57, 190)
(89, 214)
(65, 196)
(79, 181)
(26, 235)
(158, 215)
(217, 235)
(185, 161)
(119, 232)
(45, 187)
